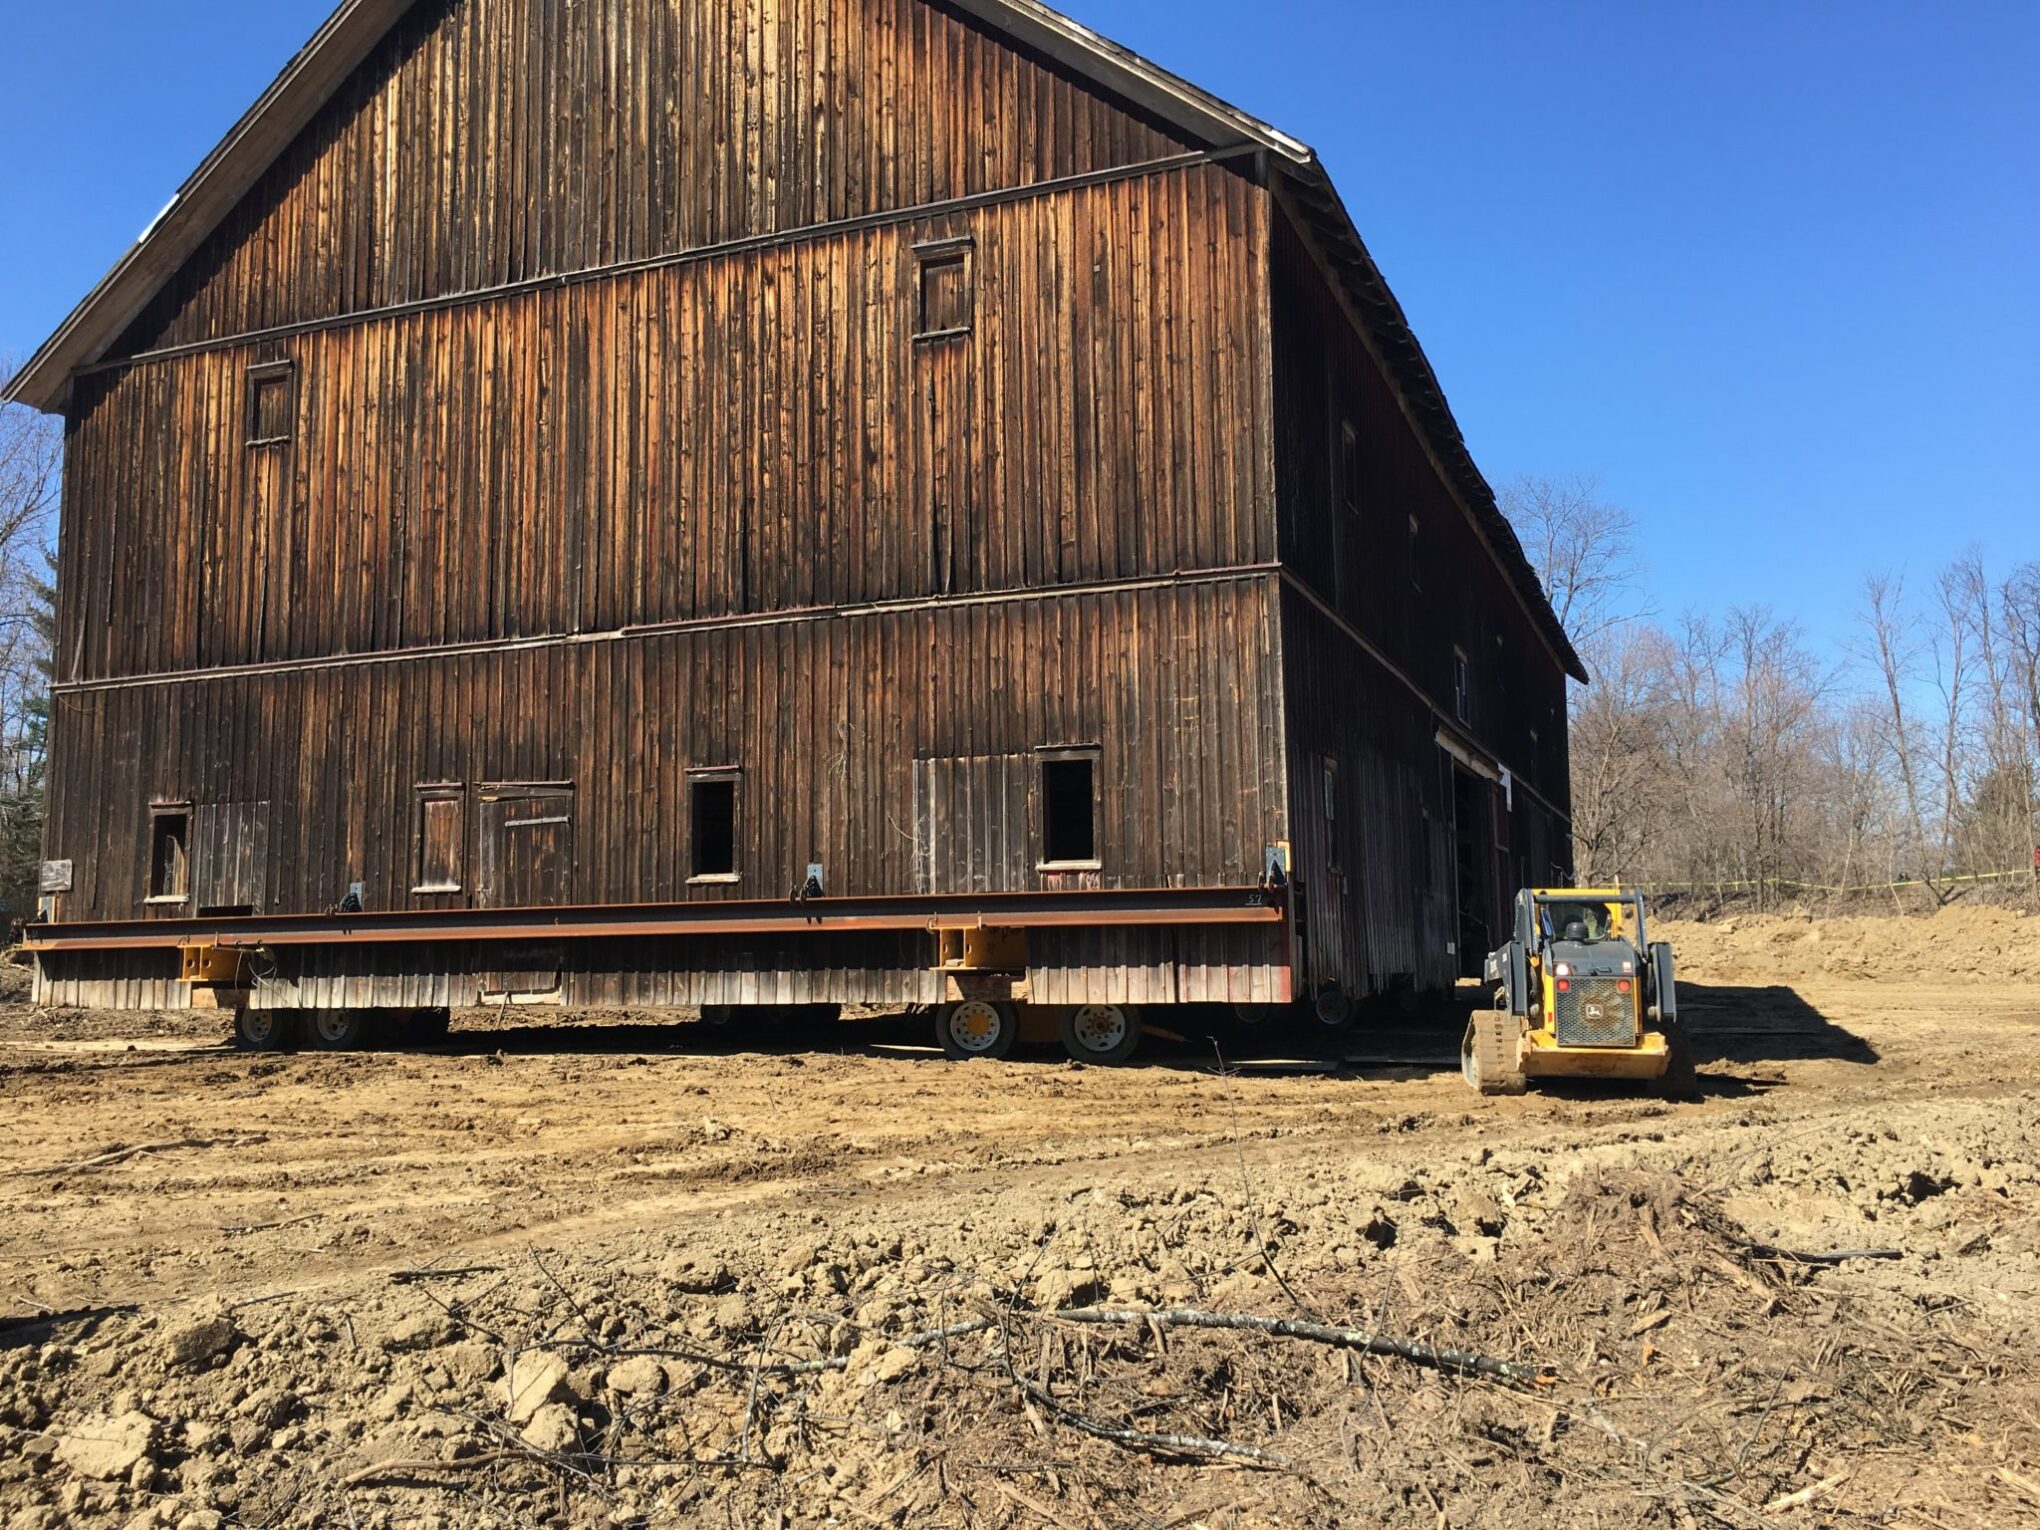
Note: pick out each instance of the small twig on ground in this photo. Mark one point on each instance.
(422, 1468)
(1159, 1444)
(1247, 1196)
(1840, 1256)
(418, 1277)
(1805, 1495)
(1457, 1360)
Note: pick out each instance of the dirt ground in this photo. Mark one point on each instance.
(617, 1273)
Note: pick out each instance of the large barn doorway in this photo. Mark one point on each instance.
(1473, 863)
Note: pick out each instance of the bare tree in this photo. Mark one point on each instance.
(31, 458)
(1890, 641)
(1583, 548)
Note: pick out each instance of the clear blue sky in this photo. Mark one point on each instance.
(1770, 268)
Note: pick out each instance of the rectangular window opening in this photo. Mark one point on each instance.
(948, 297)
(1349, 466)
(170, 855)
(272, 403)
(442, 839)
(1462, 686)
(1069, 817)
(713, 817)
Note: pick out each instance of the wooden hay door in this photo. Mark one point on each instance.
(527, 861)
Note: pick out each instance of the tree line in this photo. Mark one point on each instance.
(1724, 751)
(31, 461)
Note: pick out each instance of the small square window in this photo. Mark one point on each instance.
(1069, 810)
(712, 824)
(272, 403)
(1349, 466)
(170, 854)
(1462, 686)
(442, 839)
(947, 296)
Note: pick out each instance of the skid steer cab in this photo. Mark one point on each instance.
(1580, 993)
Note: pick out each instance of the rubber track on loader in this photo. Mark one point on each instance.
(1494, 1059)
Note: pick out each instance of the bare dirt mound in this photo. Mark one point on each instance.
(622, 1274)
(1959, 944)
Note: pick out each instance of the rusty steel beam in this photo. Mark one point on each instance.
(1015, 911)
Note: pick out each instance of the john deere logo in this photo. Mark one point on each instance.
(1590, 1011)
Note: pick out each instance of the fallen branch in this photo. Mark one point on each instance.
(1840, 1256)
(123, 1154)
(1463, 1362)
(1159, 1444)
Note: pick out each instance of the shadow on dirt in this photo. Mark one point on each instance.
(1749, 1025)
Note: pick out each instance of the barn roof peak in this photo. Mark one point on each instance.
(319, 69)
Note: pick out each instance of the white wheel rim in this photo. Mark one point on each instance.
(1099, 1027)
(333, 1026)
(976, 1027)
(260, 1025)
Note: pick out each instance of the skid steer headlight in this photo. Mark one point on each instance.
(1563, 969)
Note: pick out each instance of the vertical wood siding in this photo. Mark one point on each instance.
(1359, 564)
(486, 142)
(828, 718)
(1389, 912)
(753, 433)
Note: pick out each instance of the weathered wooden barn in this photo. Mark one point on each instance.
(728, 502)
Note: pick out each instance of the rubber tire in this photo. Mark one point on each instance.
(720, 1016)
(262, 1030)
(1483, 1054)
(1682, 1079)
(1003, 1040)
(337, 1030)
(1334, 1009)
(1258, 1019)
(1119, 1052)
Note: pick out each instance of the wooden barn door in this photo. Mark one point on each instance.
(1327, 952)
(527, 858)
(230, 860)
(527, 861)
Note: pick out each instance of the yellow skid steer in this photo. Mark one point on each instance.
(1580, 993)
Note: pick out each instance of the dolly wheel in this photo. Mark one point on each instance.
(261, 1030)
(339, 1030)
(1487, 1056)
(977, 1028)
(1101, 1033)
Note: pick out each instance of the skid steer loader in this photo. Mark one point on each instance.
(1580, 993)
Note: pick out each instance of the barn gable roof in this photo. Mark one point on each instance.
(319, 69)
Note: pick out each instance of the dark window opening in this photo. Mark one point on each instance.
(272, 403)
(1349, 466)
(947, 295)
(170, 856)
(442, 839)
(1462, 686)
(714, 801)
(1069, 796)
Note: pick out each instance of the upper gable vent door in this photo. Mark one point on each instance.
(527, 858)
